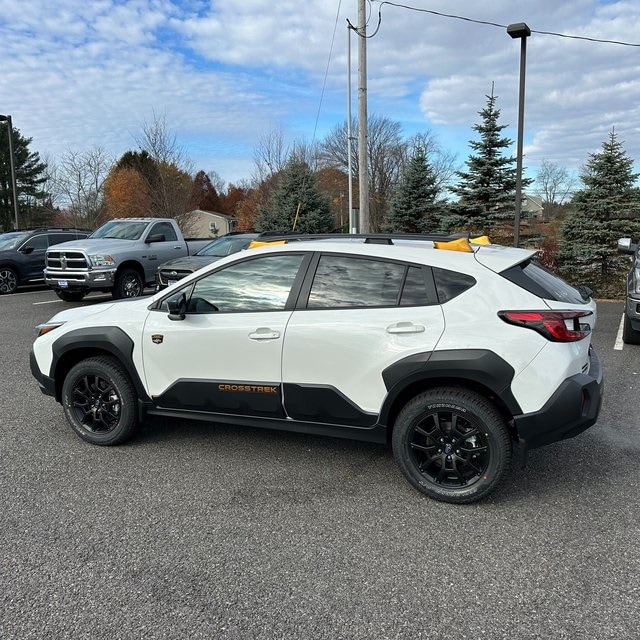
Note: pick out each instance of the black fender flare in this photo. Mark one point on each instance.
(112, 340)
(482, 367)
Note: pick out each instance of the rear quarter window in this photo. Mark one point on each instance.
(450, 284)
(543, 283)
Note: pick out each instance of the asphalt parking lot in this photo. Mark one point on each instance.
(201, 531)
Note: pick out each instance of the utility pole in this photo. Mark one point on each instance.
(352, 224)
(363, 171)
(12, 164)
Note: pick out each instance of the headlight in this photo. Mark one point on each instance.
(100, 260)
(636, 281)
(45, 327)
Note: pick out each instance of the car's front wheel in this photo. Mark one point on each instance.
(452, 444)
(99, 401)
(128, 284)
(8, 280)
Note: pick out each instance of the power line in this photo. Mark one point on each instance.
(492, 24)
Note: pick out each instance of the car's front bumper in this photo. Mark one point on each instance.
(633, 312)
(84, 280)
(572, 409)
(47, 384)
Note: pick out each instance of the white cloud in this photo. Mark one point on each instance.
(224, 72)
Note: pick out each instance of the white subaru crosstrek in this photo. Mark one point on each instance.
(455, 357)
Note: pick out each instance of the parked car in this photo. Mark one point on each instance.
(173, 270)
(455, 357)
(631, 322)
(120, 257)
(22, 254)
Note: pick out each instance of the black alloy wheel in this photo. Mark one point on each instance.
(99, 401)
(128, 284)
(452, 444)
(8, 280)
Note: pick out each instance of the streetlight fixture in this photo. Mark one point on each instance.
(522, 31)
(12, 163)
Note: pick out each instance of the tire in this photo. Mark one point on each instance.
(8, 280)
(70, 296)
(452, 444)
(629, 334)
(128, 284)
(100, 402)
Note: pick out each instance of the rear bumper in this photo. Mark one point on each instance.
(572, 409)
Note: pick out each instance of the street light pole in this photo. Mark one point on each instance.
(522, 31)
(12, 164)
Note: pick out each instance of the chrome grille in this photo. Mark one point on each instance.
(66, 260)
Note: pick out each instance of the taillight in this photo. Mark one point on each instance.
(557, 326)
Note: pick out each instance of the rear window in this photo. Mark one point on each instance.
(543, 283)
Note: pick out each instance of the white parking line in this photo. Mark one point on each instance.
(618, 343)
(47, 302)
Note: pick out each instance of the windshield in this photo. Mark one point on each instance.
(223, 247)
(121, 229)
(11, 240)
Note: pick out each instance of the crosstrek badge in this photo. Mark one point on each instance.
(249, 388)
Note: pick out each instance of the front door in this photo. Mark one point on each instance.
(225, 356)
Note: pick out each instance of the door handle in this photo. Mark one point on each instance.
(264, 333)
(405, 327)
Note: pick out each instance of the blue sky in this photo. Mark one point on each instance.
(226, 72)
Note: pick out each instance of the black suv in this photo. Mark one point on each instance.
(22, 254)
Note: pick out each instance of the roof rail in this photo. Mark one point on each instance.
(49, 229)
(369, 238)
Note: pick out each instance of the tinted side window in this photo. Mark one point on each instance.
(57, 238)
(37, 243)
(414, 291)
(537, 280)
(345, 281)
(166, 229)
(450, 284)
(262, 284)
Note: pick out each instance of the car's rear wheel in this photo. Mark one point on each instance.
(452, 444)
(8, 280)
(629, 334)
(128, 284)
(99, 401)
(70, 296)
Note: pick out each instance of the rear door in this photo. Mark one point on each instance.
(355, 317)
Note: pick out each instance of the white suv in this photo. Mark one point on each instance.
(452, 356)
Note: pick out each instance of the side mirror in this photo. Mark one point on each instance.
(626, 246)
(177, 306)
(155, 237)
(26, 250)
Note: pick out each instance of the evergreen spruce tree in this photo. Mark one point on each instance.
(487, 189)
(30, 176)
(414, 208)
(297, 188)
(607, 208)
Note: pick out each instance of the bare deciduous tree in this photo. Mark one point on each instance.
(171, 193)
(77, 184)
(554, 183)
